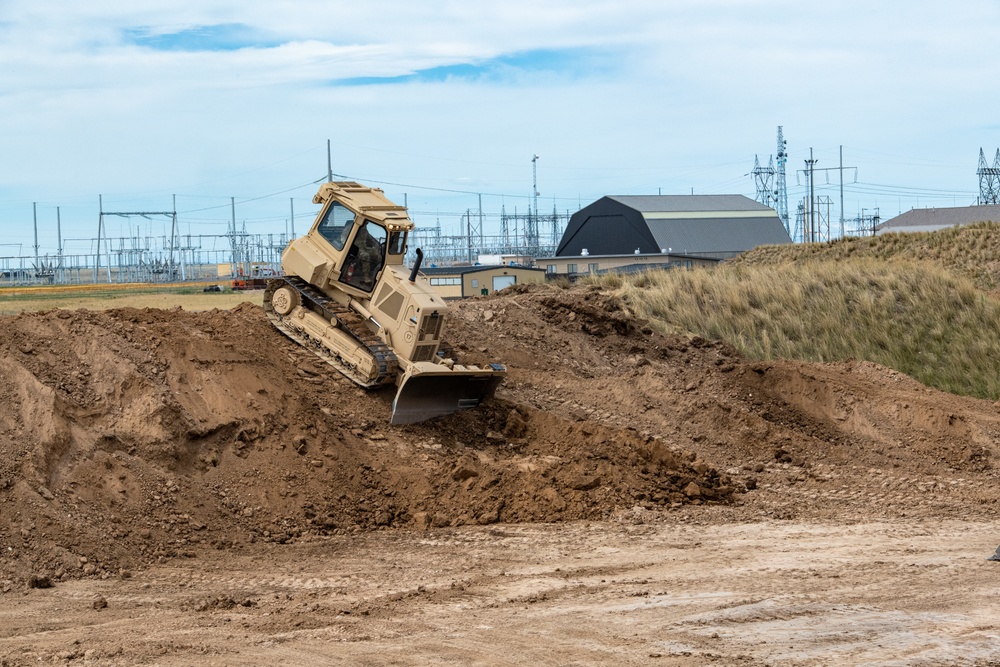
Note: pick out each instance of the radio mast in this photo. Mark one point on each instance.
(781, 192)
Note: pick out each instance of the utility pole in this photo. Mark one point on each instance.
(291, 204)
(533, 218)
(810, 163)
(236, 258)
(468, 233)
(100, 224)
(329, 162)
(34, 213)
(841, 191)
(810, 172)
(173, 240)
(59, 238)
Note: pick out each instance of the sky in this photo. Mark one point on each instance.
(223, 110)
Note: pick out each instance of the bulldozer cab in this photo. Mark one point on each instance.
(369, 245)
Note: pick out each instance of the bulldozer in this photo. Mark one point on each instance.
(347, 296)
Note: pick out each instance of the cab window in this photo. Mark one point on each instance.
(336, 225)
(365, 258)
(397, 243)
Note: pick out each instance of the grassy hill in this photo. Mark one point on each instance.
(917, 303)
(972, 251)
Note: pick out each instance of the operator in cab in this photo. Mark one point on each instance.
(365, 258)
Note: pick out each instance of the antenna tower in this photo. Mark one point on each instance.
(781, 192)
(989, 179)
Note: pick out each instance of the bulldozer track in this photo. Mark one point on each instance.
(345, 319)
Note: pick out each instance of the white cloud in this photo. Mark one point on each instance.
(676, 95)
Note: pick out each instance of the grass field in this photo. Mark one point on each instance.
(972, 251)
(915, 317)
(13, 301)
(924, 304)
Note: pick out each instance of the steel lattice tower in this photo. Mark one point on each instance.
(763, 178)
(781, 192)
(989, 179)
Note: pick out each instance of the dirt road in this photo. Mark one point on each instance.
(589, 593)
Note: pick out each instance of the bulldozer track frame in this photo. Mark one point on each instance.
(341, 317)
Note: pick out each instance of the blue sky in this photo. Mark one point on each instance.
(440, 102)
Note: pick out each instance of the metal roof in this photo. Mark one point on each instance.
(715, 235)
(942, 217)
(689, 203)
(716, 226)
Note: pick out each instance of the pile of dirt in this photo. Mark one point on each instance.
(131, 436)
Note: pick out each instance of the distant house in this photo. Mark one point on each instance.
(657, 230)
(457, 282)
(932, 219)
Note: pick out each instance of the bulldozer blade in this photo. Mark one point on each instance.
(428, 395)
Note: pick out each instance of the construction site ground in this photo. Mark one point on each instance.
(191, 487)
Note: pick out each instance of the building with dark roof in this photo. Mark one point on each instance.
(932, 219)
(685, 230)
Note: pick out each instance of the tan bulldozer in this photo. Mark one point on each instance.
(347, 296)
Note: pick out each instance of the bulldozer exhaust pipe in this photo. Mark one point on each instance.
(416, 266)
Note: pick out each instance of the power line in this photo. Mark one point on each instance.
(882, 188)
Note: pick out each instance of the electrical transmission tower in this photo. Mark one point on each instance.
(763, 179)
(989, 179)
(800, 221)
(823, 219)
(781, 190)
(770, 183)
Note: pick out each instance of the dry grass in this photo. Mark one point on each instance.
(972, 251)
(915, 317)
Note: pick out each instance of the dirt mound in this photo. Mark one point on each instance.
(131, 436)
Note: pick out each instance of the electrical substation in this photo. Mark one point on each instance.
(152, 246)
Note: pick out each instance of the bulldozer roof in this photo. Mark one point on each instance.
(369, 202)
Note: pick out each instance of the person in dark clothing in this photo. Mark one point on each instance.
(364, 260)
